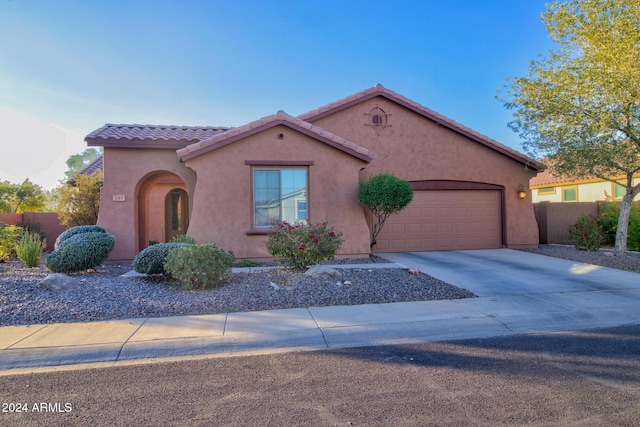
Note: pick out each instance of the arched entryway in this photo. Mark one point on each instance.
(162, 208)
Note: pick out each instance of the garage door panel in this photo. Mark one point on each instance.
(445, 212)
(445, 244)
(431, 227)
(399, 244)
(397, 228)
(426, 213)
(461, 227)
(445, 227)
(414, 228)
(413, 212)
(445, 220)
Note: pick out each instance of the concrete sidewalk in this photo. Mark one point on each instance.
(578, 305)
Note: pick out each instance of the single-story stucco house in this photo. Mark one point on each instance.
(226, 185)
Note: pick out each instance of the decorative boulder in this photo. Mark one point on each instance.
(59, 282)
(321, 271)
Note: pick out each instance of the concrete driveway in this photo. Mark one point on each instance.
(495, 272)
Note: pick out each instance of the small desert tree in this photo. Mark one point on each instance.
(384, 195)
(79, 204)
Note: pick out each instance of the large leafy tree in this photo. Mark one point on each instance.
(579, 108)
(76, 162)
(19, 198)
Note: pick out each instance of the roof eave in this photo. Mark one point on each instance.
(138, 143)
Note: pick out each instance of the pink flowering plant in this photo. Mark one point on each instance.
(586, 234)
(301, 244)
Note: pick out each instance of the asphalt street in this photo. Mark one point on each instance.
(556, 378)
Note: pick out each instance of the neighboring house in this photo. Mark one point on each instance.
(547, 187)
(227, 185)
(88, 170)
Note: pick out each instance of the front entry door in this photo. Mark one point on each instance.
(176, 210)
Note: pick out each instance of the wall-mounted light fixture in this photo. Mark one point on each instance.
(522, 193)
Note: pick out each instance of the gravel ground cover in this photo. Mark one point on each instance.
(106, 295)
(604, 257)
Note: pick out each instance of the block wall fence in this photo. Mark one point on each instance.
(554, 219)
(47, 221)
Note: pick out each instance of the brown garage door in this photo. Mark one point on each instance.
(444, 220)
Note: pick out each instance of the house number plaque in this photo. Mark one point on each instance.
(118, 197)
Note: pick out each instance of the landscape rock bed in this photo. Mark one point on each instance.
(106, 295)
(603, 257)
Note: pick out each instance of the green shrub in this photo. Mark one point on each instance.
(29, 249)
(183, 238)
(301, 245)
(80, 252)
(243, 263)
(77, 230)
(200, 266)
(9, 235)
(608, 222)
(586, 234)
(34, 228)
(151, 260)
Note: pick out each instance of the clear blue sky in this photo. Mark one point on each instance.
(68, 67)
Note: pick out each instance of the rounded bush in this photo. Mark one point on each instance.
(80, 229)
(302, 245)
(80, 252)
(200, 266)
(183, 238)
(151, 260)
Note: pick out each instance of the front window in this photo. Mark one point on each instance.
(570, 194)
(279, 195)
(546, 190)
(176, 210)
(619, 191)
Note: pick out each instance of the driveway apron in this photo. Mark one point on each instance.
(494, 272)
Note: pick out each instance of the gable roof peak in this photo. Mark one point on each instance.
(224, 138)
(379, 90)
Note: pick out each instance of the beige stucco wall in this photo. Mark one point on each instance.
(223, 193)
(587, 192)
(126, 171)
(415, 148)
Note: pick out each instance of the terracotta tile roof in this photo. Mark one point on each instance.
(548, 178)
(88, 170)
(280, 118)
(379, 90)
(152, 136)
(92, 167)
